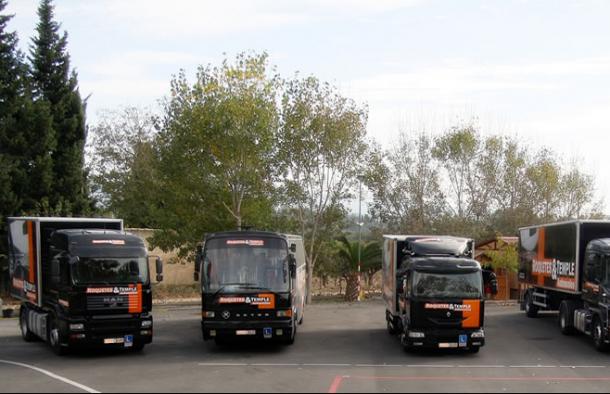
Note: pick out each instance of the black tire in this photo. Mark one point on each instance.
(26, 334)
(474, 349)
(531, 310)
(391, 328)
(55, 339)
(599, 336)
(290, 341)
(566, 317)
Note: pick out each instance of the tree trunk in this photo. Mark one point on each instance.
(351, 288)
(309, 281)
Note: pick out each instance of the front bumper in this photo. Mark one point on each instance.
(267, 330)
(444, 339)
(100, 332)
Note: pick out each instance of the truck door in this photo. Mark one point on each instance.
(593, 276)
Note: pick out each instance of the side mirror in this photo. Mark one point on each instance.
(293, 248)
(292, 263)
(159, 267)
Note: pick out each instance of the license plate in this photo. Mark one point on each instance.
(463, 340)
(447, 345)
(114, 341)
(268, 333)
(244, 333)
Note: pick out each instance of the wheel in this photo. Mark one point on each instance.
(26, 334)
(566, 317)
(391, 329)
(290, 341)
(55, 339)
(599, 336)
(531, 310)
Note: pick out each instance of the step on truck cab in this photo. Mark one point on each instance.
(565, 267)
(253, 286)
(83, 283)
(434, 292)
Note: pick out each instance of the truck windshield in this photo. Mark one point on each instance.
(238, 265)
(462, 286)
(110, 270)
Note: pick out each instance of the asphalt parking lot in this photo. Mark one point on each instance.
(340, 348)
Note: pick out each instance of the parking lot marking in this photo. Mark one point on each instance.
(411, 366)
(336, 384)
(51, 375)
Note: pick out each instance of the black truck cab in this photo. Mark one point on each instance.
(441, 303)
(434, 292)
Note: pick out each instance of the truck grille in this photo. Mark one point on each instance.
(104, 303)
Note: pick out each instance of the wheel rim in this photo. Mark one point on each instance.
(563, 321)
(597, 335)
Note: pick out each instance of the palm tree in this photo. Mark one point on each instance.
(347, 255)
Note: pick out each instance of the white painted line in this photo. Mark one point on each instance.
(274, 365)
(326, 365)
(481, 366)
(533, 366)
(430, 366)
(52, 375)
(221, 365)
(584, 366)
(377, 366)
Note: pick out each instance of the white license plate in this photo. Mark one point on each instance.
(114, 341)
(447, 345)
(243, 333)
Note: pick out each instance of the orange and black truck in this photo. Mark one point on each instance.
(565, 267)
(83, 283)
(434, 292)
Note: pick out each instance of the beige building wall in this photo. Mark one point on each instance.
(176, 271)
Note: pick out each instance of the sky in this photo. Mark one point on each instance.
(535, 69)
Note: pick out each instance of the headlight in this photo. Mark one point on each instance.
(286, 313)
(147, 324)
(209, 315)
(478, 335)
(416, 335)
(77, 327)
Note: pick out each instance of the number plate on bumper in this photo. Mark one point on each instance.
(245, 333)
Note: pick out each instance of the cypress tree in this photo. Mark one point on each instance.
(56, 85)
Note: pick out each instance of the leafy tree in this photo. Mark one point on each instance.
(216, 149)
(56, 85)
(123, 166)
(506, 258)
(405, 186)
(321, 147)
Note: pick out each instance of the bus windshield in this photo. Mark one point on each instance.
(461, 286)
(238, 265)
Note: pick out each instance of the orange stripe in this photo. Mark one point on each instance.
(541, 244)
(472, 318)
(135, 300)
(31, 254)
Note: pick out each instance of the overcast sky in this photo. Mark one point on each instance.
(538, 69)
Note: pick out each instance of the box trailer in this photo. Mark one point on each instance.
(82, 282)
(565, 267)
(433, 291)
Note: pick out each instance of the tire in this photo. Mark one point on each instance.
(26, 334)
(391, 329)
(599, 337)
(566, 317)
(55, 339)
(290, 341)
(531, 310)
